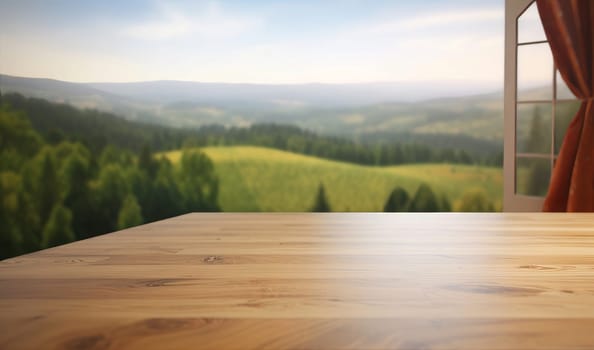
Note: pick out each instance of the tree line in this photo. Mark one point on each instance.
(96, 130)
(423, 200)
(52, 193)
(294, 139)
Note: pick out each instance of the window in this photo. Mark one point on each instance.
(538, 109)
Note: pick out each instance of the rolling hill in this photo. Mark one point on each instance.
(78, 95)
(352, 110)
(359, 111)
(262, 179)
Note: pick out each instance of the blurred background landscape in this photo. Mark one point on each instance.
(126, 114)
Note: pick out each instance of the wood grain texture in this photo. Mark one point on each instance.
(311, 281)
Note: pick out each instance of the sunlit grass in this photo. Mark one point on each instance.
(262, 179)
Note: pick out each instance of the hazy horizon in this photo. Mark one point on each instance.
(386, 82)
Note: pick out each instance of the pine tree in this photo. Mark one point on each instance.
(110, 191)
(28, 222)
(48, 190)
(537, 142)
(147, 163)
(398, 201)
(444, 204)
(58, 228)
(424, 200)
(75, 174)
(164, 198)
(130, 213)
(198, 182)
(321, 204)
(10, 238)
(538, 177)
(16, 133)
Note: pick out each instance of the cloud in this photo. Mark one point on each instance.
(458, 17)
(433, 20)
(172, 24)
(211, 22)
(424, 44)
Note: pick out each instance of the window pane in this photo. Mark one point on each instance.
(535, 72)
(529, 26)
(565, 111)
(532, 176)
(533, 128)
(563, 91)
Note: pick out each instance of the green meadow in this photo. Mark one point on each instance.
(262, 179)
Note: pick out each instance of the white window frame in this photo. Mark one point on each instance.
(513, 202)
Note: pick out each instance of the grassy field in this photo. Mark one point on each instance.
(262, 179)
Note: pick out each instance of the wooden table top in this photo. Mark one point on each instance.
(311, 281)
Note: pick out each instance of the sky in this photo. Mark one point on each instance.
(254, 41)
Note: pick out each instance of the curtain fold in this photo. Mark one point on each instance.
(568, 25)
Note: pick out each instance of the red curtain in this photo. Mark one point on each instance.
(568, 25)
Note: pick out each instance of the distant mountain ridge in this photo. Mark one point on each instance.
(76, 94)
(51, 89)
(356, 110)
(305, 94)
(348, 94)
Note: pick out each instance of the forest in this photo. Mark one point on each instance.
(97, 129)
(57, 192)
(69, 174)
